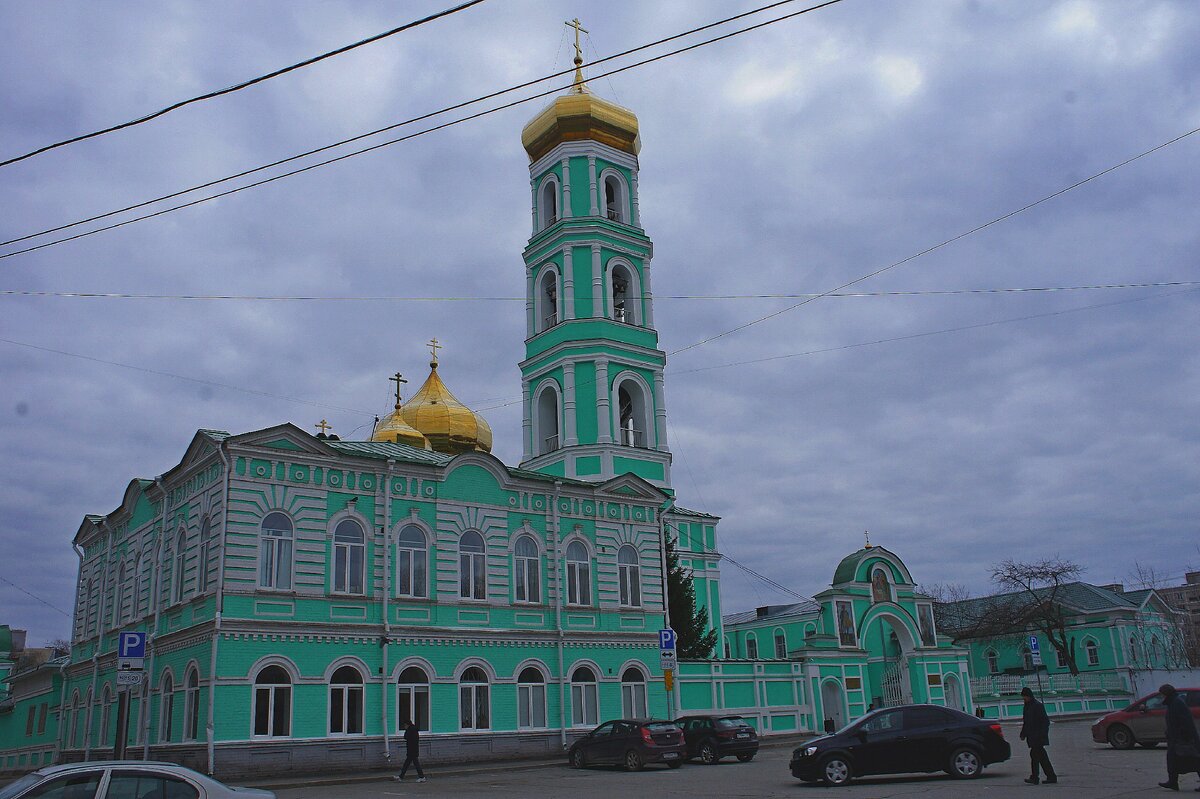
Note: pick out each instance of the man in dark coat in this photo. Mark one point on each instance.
(1035, 731)
(412, 743)
(1183, 744)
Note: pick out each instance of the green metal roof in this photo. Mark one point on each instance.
(688, 512)
(387, 449)
(1081, 597)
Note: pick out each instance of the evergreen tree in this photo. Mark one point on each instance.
(694, 642)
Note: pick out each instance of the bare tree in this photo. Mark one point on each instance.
(1035, 600)
(1145, 576)
(944, 593)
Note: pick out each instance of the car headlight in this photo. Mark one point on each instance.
(809, 751)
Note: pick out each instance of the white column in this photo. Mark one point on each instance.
(647, 293)
(572, 437)
(566, 184)
(533, 204)
(597, 284)
(529, 289)
(660, 412)
(568, 301)
(633, 202)
(526, 422)
(603, 414)
(594, 210)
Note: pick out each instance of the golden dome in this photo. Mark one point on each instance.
(449, 425)
(393, 428)
(581, 115)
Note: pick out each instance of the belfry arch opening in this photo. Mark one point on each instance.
(633, 416)
(547, 310)
(615, 204)
(548, 204)
(546, 434)
(623, 294)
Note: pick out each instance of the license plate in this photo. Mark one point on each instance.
(670, 755)
(743, 735)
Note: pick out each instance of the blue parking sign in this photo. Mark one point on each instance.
(666, 639)
(131, 645)
(1033, 644)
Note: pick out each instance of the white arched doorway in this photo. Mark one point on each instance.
(952, 687)
(889, 642)
(833, 703)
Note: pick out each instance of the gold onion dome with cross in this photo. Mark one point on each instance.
(446, 423)
(393, 428)
(579, 114)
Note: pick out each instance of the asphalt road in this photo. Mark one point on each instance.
(1085, 770)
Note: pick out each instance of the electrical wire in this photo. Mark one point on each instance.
(35, 596)
(238, 86)
(385, 298)
(397, 140)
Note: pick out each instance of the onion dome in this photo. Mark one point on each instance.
(393, 428)
(450, 426)
(577, 115)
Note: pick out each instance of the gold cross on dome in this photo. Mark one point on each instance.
(867, 535)
(578, 87)
(397, 379)
(323, 426)
(433, 348)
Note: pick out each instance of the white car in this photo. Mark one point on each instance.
(123, 779)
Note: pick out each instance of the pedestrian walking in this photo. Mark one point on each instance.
(1183, 743)
(1035, 731)
(412, 743)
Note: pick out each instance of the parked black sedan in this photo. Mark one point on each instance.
(898, 740)
(711, 737)
(631, 743)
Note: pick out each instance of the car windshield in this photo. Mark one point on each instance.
(661, 726)
(14, 788)
(731, 723)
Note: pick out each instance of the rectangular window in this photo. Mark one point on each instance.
(631, 585)
(30, 719)
(633, 700)
(41, 724)
(472, 576)
(584, 705)
(413, 705)
(579, 583)
(780, 647)
(476, 710)
(752, 648)
(411, 573)
(531, 706)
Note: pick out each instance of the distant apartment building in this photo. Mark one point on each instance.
(1186, 598)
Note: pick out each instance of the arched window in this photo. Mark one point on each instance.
(630, 576)
(474, 704)
(623, 294)
(547, 299)
(547, 438)
(527, 568)
(180, 566)
(752, 646)
(531, 699)
(119, 597)
(881, 587)
(1133, 650)
(1026, 658)
(166, 709)
(272, 703)
(548, 204)
(585, 702)
(202, 563)
(72, 722)
(412, 563)
(1156, 652)
(106, 707)
(191, 706)
(615, 204)
(472, 570)
(579, 574)
(993, 661)
(412, 698)
(1092, 652)
(781, 650)
(728, 654)
(135, 599)
(633, 420)
(633, 694)
(346, 702)
(275, 559)
(349, 557)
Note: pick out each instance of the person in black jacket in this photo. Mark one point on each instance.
(1183, 743)
(412, 742)
(1035, 731)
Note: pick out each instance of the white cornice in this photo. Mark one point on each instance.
(582, 149)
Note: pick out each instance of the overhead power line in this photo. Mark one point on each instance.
(239, 86)
(783, 589)
(34, 596)
(399, 139)
(109, 295)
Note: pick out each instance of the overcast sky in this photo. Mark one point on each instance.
(790, 160)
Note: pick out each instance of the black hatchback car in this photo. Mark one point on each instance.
(711, 737)
(899, 740)
(631, 743)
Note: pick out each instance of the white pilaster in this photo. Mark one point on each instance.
(647, 293)
(568, 299)
(597, 284)
(566, 188)
(633, 201)
(533, 205)
(529, 322)
(603, 415)
(660, 412)
(594, 209)
(572, 438)
(526, 422)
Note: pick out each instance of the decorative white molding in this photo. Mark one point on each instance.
(604, 430)
(565, 211)
(572, 438)
(595, 209)
(597, 284)
(567, 302)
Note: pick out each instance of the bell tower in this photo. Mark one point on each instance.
(592, 377)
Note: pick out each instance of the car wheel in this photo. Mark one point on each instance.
(1120, 737)
(577, 758)
(1148, 744)
(633, 761)
(836, 770)
(746, 758)
(675, 764)
(965, 764)
(708, 753)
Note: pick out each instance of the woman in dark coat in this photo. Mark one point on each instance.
(1035, 731)
(1183, 743)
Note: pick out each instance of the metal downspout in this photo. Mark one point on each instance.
(558, 607)
(87, 730)
(62, 702)
(210, 732)
(383, 491)
(156, 603)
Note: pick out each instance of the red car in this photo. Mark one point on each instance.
(1144, 722)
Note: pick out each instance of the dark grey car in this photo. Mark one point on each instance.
(121, 779)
